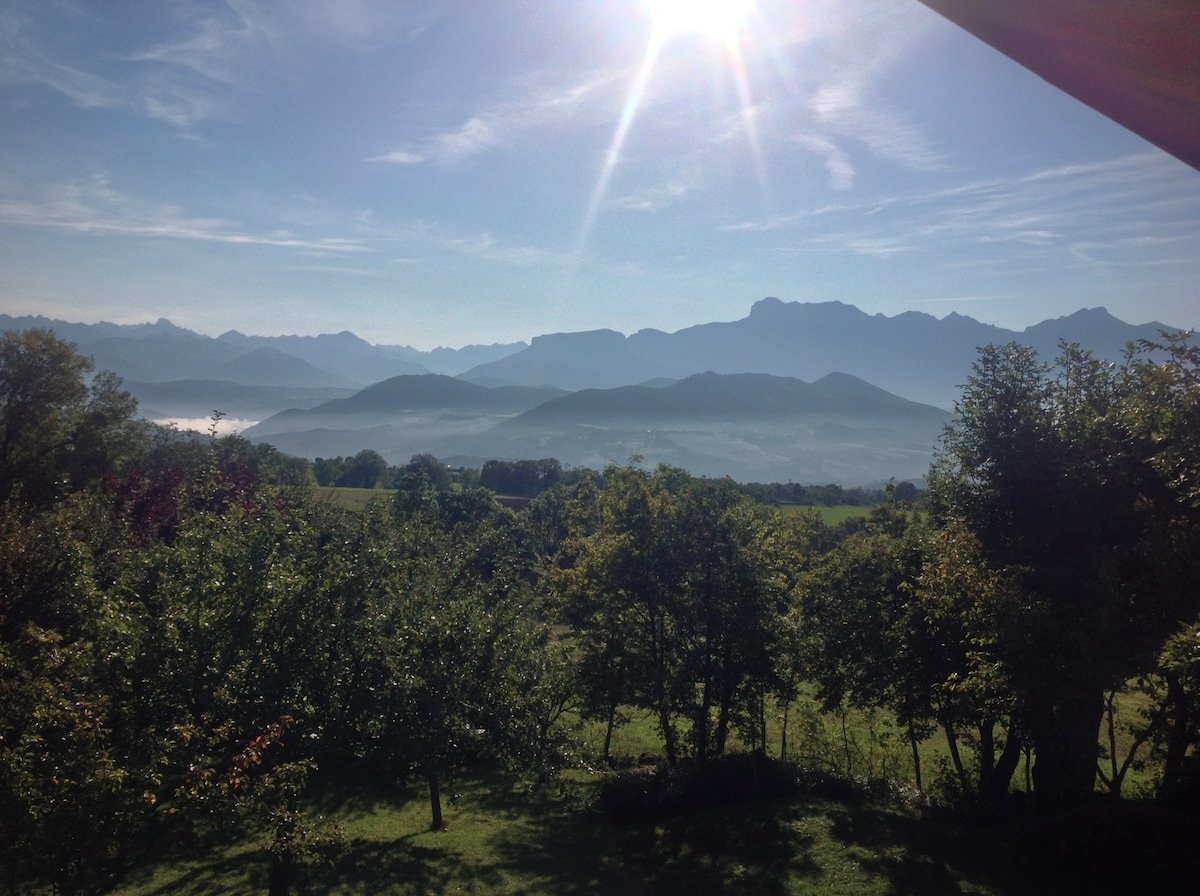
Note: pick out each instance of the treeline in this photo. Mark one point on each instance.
(529, 478)
(188, 631)
(831, 495)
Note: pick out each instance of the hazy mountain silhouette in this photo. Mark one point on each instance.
(267, 366)
(454, 361)
(409, 399)
(801, 391)
(914, 355)
(749, 426)
(350, 358)
(710, 397)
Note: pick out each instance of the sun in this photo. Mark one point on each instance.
(717, 20)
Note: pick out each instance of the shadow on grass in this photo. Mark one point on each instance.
(244, 871)
(1103, 848)
(397, 866)
(750, 848)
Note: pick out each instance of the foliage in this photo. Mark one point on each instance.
(670, 601)
(188, 638)
(526, 478)
(58, 433)
(1064, 475)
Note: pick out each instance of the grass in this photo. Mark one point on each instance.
(505, 838)
(506, 835)
(353, 498)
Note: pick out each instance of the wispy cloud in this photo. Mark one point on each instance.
(489, 248)
(94, 206)
(23, 60)
(851, 51)
(508, 122)
(1091, 212)
(661, 196)
(202, 56)
(837, 163)
(399, 157)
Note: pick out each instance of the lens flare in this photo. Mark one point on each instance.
(720, 21)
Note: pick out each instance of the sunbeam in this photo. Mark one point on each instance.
(632, 103)
(718, 21)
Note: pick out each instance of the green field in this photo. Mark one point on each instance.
(511, 835)
(506, 837)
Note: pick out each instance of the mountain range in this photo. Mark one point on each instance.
(809, 392)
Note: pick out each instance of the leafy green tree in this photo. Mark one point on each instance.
(57, 432)
(452, 628)
(521, 477)
(72, 782)
(427, 468)
(326, 470)
(1045, 468)
(671, 603)
(365, 470)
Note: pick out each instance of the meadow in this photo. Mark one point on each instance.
(838, 834)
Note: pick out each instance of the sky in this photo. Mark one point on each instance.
(453, 172)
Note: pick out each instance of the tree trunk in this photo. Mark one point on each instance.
(1178, 732)
(608, 733)
(280, 881)
(1066, 746)
(1002, 771)
(668, 733)
(916, 754)
(783, 738)
(956, 757)
(435, 797)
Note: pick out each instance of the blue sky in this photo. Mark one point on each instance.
(444, 173)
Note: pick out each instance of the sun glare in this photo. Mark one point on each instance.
(717, 20)
(720, 21)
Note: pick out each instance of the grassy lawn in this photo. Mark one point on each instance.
(505, 838)
(505, 835)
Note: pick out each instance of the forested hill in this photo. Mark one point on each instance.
(711, 397)
(751, 427)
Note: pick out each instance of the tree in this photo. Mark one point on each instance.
(57, 432)
(1055, 469)
(365, 470)
(521, 477)
(428, 467)
(452, 631)
(671, 603)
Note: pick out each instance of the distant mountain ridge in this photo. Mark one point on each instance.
(173, 371)
(915, 355)
(912, 354)
(711, 397)
(816, 392)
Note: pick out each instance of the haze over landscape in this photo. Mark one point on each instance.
(803, 392)
(626, 446)
(443, 173)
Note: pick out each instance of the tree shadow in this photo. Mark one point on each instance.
(1101, 848)
(748, 848)
(396, 866)
(243, 871)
